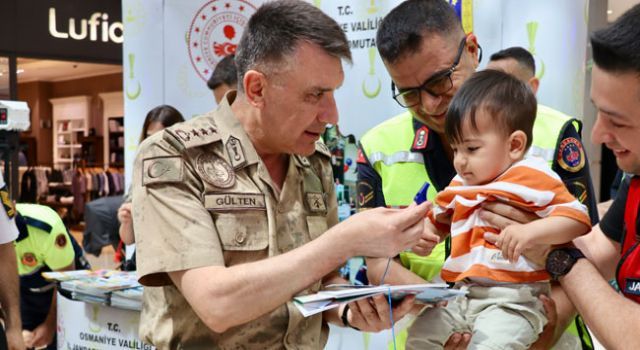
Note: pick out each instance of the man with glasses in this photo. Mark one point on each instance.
(428, 56)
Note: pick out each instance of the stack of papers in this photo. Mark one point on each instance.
(130, 299)
(340, 294)
(98, 286)
(74, 275)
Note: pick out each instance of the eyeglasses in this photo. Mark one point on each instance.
(436, 85)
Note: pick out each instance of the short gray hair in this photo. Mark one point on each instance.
(277, 28)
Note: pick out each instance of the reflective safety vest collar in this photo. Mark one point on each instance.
(628, 271)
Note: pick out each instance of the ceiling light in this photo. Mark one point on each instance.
(19, 71)
(609, 12)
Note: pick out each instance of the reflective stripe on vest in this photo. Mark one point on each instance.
(398, 157)
(628, 272)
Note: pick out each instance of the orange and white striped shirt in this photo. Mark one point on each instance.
(529, 185)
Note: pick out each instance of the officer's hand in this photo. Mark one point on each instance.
(124, 213)
(428, 240)
(14, 339)
(458, 341)
(383, 232)
(502, 215)
(42, 336)
(372, 314)
(547, 337)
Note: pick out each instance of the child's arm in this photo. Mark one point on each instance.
(434, 233)
(515, 239)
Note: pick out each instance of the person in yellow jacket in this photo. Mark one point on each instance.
(43, 244)
(428, 56)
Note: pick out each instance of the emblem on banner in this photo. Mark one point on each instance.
(215, 171)
(215, 32)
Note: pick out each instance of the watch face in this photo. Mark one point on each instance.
(559, 262)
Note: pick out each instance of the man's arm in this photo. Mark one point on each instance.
(369, 185)
(271, 282)
(602, 307)
(9, 295)
(126, 224)
(44, 333)
(576, 174)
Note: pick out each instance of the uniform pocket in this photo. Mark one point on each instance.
(317, 225)
(243, 231)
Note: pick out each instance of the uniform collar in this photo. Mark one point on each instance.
(233, 136)
(424, 139)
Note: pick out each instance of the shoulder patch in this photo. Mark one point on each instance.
(322, 148)
(165, 169)
(571, 155)
(193, 133)
(7, 203)
(61, 240)
(29, 259)
(215, 171)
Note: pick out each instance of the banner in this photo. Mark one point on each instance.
(172, 46)
(555, 32)
(83, 326)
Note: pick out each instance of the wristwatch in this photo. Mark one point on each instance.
(561, 260)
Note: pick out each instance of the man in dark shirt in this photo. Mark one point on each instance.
(611, 249)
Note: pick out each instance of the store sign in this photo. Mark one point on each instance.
(97, 23)
(79, 30)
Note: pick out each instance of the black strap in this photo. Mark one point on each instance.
(38, 224)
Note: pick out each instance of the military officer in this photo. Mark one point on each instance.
(43, 245)
(11, 331)
(235, 210)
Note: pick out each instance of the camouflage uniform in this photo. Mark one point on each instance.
(202, 197)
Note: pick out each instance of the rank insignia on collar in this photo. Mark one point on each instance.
(302, 161)
(571, 155)
(29, 259)
(215, 171)
(315, 202)
(421, 138)
(361, 159)
(236, 153)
